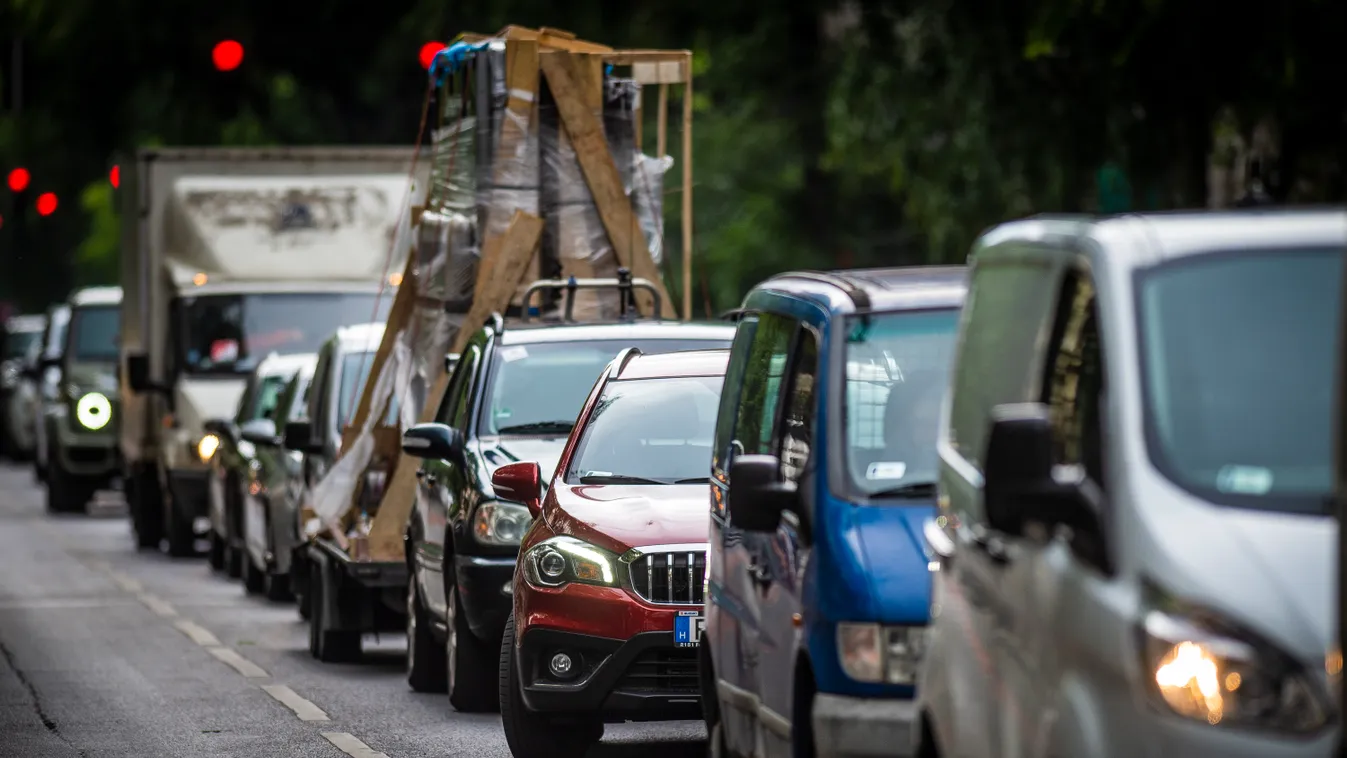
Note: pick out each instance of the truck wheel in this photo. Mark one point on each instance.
(254, 581)
(425, 655)
(300, 581)
(147, 507)
(326, 644)
(530, 735)
(216, 555)
(66, 493)
(181, 537)
(471, 677)
(277, 587)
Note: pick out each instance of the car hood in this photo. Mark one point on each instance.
(498, 451)
(202, 400)
(882, 547)
(621, 517)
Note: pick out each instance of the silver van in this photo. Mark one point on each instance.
(1135, 550)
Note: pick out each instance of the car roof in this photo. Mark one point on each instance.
(1144, 239)
(670, 365)
(873, 289)
(360, 337)
(25, 323)
(96, 296)
(289, 287)
(534, 333)
(278, 364)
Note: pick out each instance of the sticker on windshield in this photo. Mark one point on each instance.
(511, 354)
(1244, 480)
(886, 470)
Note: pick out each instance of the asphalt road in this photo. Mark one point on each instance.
(105, 651)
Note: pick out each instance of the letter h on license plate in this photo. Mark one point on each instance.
(688, 628)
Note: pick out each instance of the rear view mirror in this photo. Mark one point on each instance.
(1019, 480)
(433, 441)
(520, 483)
(137, 371)
(298, 436)
(260, 431)
(758, 493)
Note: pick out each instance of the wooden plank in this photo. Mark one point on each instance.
(601, 174)
(662, 123)
(632, 57)
(687, 194)
(518, 248)
(658, 72)
(404, 304)
(521, 76)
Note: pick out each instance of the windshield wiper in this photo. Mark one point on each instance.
(696, 480)
(913, 490)
(538, 427)
(595, 477)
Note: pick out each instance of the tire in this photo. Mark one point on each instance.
(181, 538)
(328, 645)
(147, 508)
(426, 669)
(471, 679)
(66, 493)
(531, 735)
(216, 555)
(233, 560)
(277, 588)
(254, 579)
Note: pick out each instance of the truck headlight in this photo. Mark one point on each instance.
(561, 560)
(1208, 670)
(207, 446)
(875, 653)
(93, 411)
(500, 523)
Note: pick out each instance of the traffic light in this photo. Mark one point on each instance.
(115, 176)
(18, 179)
(428, 51)
(227, 55)
(46, 203)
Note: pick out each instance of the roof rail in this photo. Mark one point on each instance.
(623, 283)
(732, 315)
(497, 321)
(624, 357)
(859, 297)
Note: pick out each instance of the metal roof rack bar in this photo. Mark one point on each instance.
(624, 283)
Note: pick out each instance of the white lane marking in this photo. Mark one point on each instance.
(158, 605)
(352, 746)
(305, 710)
(39, 603)
(238, 662)
(125, 582)
(199, 634)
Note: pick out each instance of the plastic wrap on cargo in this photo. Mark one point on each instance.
(647, 199)
(454, 158)
(452, 239)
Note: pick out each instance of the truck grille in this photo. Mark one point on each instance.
(671, 671)
(672, 578)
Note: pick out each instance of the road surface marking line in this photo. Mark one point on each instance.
(238, 662)
(305, 710)
(198, 634)
(158, 605)
(352, 746)
(126, 582)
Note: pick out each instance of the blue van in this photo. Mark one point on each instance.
(823, 474)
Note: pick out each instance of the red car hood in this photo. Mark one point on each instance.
(621, 517)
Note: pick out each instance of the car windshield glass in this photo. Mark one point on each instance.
(268, 396)
(897, 366)
(538, 389)
(17, 343)
(230, 334)
(355, 368)
(1238, 357)
(93, 333)
(649, 431)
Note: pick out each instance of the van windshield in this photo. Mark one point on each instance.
(1238, 363)
(93, 333)
(897, 369)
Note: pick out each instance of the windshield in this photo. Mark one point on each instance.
(355, 368)
(230, 334)
(268, 397)
(18, 343)
(539, 389)
(92, 335)
(649, 431)
(897, 369)
(1238, 358)
(299, 392)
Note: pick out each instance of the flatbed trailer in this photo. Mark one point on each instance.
(348, 598)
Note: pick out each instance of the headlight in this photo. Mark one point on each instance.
(9, 376)
(207, 447)
(562, 560)
(1210, 672)
(500, 523)
(93, 411)
(875, 653)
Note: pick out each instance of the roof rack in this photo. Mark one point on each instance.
(624, 283)
(859, 297)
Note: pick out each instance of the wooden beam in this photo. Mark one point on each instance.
(662, 123)
(601, 174)
(519, 245)
(687, 190)
(404, 304)
(631, 57)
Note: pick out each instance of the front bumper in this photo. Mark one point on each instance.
(189, 490)
(853, 727)
(485, 594)
(81, 452)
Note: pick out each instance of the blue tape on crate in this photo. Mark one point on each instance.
(448, 60)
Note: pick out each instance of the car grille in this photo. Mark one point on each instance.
(672, 671)
(674, 578)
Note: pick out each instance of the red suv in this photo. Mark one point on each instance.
(610, 583)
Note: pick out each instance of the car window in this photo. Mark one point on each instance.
(649, 431)
(458, 400)
(93, 333)
(760, 398)
(730, 394)
(355, 371)
(797, 428)
(1073, 387)
(269, 397)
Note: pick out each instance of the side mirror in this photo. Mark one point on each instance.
(1020, 482)
(521, 483)
(260, 431)
(50, 361)
(450, 361)
(758, 493)
(298, 436)
(433, 441)
(137, 371)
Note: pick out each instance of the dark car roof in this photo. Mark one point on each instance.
(669, 365)
(534, 333)
(875, 289)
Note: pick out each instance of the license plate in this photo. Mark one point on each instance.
(688, 628)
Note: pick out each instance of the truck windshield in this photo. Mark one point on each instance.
(230, 334)
(1238, 364)
(355, 368)
(897, 367)
(538, 389)
(92, 335)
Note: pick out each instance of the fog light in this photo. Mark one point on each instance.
(561, 666)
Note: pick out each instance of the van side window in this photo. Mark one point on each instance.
(729, 396)
(454, 409)
(797, 428)
(760, 398)
(318, 403)
(1074, 381)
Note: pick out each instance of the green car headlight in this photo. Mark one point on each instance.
(93, 411)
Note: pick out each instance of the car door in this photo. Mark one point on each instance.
(778, 589)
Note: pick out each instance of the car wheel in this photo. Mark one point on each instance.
(66, 493)
(147, 508)
(715, 729)
(471, 677)
(254, 580)
(328, 645)
(216, 555)
(531, 735)
(278, 587)
(425, 655)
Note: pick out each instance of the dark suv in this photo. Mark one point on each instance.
(514, 396)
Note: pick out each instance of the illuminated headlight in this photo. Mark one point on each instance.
(207, 446)
(500, 523)
(875, 653)
(93, 411)
(1207, 672)
(9, 376)
(562, 560)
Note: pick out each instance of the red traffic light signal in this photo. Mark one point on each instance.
(227, 55)
(428, 52)
(115, 176)
(46, 203)
(18, 179)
